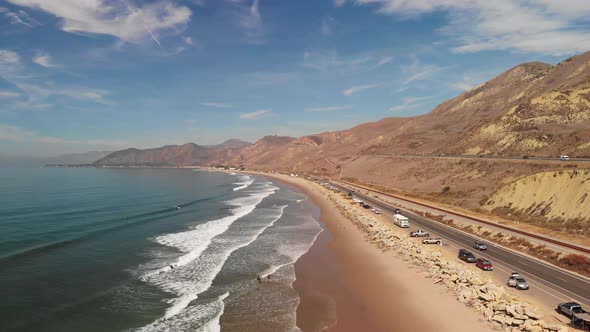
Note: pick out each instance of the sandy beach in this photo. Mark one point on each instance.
(347, 284)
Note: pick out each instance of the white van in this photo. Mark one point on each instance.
(564, 158)
(401, 221)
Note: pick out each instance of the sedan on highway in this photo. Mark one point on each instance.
(518, 282)
(467, 256)
(484, 264)
(479, 245)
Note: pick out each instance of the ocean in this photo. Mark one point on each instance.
(116, 249)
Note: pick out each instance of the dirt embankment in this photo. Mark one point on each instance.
(548, 194)
(557, 197)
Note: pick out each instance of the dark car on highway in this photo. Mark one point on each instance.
(484, 264)
(467, 256)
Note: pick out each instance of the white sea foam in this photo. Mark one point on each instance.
(214, 324)
(207, 315)
(245, 182)
(293, 251)
(194, 272)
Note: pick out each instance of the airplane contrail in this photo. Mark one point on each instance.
(152, 35)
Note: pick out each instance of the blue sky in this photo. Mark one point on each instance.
(104, 75)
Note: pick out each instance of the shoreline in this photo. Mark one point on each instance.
(345, 280)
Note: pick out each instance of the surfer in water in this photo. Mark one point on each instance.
(259, 279)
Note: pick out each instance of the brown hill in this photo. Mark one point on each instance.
(533, 109)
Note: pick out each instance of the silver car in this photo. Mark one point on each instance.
(479, 245)
(518, 282)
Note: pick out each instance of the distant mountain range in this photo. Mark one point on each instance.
(189, 154)
(77, 158)
(531, 109)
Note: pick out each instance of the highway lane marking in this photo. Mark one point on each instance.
(545, 283)
(569, 274)
(387, 207)
(540, 285)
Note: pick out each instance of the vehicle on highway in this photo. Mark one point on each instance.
(484, 264)
(366, 206)
(517, 282)
(397, 211)
(376, 211)
(401, 221)
(419, 233)
(467, 256)
(570, 308)
(515, 274)
(432, 240)
(564, 157)
(525, 157)
(480, 245)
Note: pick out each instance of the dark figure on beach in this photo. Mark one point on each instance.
(171, 267)
(268, 277)
(259, 280)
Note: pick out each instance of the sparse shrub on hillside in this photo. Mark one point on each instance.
(484, 200)
(576, 262)
(445, 190)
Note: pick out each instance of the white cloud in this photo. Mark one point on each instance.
(270, 78)
(250, 20)
(216, 105)
(359, 88)
(384, 60)
(472, 79)
(328, 108)
(43, 59)
(339, 3)
(119, 19)
(544, 26)
(20, 17)
(9, 57)
(19, 134)
(37, 95)
(463, 86)
(8, 94)
(324, 61)
(327, 26)
(410, 103)
(256, 114)
(188, 40)
(417, 71)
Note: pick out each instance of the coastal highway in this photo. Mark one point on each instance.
(562, 285)
(485, 157)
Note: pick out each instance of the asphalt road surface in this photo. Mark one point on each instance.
(492, 157)
(569, 286)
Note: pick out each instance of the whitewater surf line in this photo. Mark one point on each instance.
(193, 274)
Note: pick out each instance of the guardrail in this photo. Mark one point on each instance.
(518, 231)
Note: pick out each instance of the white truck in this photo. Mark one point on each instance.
(401, 221)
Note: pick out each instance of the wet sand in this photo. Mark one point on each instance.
(347, 284)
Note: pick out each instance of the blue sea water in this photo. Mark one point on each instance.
(109, 249)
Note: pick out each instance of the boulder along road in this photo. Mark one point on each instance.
(560, 284)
